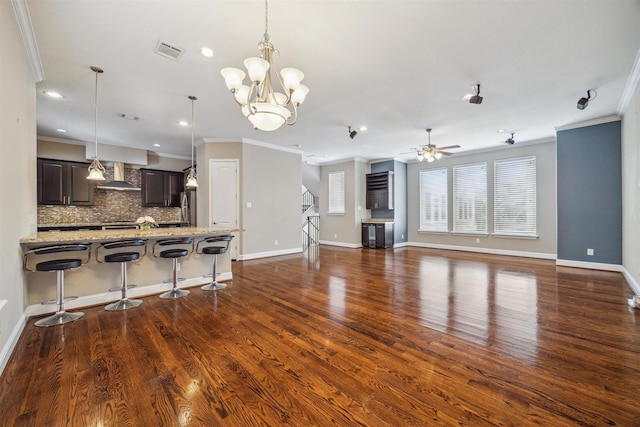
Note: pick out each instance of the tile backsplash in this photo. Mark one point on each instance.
(109, 206)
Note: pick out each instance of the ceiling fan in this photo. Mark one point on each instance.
(430, 152)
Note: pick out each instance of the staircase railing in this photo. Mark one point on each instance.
(308, 200)
(311, 231)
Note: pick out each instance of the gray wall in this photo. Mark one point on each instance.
(17, 171)
(544, 245)
(631, 191)
(590, 193)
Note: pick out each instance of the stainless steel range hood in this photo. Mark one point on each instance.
(118, 182)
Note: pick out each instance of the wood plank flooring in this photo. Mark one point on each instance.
(344, 337)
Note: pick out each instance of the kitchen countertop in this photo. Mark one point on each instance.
(102, 235)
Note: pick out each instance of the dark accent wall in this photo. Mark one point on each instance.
(399, 211)
(590, 193)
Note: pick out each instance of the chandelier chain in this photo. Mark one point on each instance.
(266, 20)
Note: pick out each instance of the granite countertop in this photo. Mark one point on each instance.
(377, 220)
(103, 235)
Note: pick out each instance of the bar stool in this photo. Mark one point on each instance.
(176, 248)
(58, 258)
(217, 245)
(122, 251)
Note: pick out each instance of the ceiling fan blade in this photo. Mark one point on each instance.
(448, 147)
(445, 153)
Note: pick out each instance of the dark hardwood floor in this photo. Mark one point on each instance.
(405, 337)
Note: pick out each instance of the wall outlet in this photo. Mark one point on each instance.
(249, 205)
(335, 236)
(402, 237)
(477, 240)
(590, 252)
(275, 243)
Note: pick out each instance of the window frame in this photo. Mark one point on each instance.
(469, 207)
(517, 194)
(333, 198)
(434, 206)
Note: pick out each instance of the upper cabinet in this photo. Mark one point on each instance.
(161, 188)
(64, 183)
(380, 190)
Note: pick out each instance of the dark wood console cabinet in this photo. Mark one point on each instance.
(64, 183)
(380, 190)
(377, 235)
(161, 188)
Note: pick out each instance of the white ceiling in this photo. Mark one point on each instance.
(397, 67)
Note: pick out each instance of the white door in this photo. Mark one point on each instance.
(223, 199)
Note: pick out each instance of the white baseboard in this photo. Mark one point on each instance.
(635, 287)
(108, 297)
(7, 350)
(256, 255)
(341, 244)
(400, 245)
(540, 255)
(589, 265)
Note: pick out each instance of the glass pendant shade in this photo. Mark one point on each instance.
(430, 159)
(233, 77)
(420, 157)
(298, 95)
(242, 95)
(96, 171)
(266, 116)
(192, 181)
(291, 78)
(438, 155)
(257, 69)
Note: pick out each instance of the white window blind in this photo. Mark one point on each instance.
(433, 200)
(515, 196)
(336, 192)
(470, 198)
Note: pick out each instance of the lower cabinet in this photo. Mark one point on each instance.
(377, 235)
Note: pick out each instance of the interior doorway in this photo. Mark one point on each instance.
(223, 197)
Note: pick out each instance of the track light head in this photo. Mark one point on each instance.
(584, 102)
(510, 140)
(476, 99)
(352, 133)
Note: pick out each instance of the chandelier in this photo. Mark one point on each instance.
(265, 108)
(96, 170)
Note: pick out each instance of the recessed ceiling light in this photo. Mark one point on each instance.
(156, 145)
(362, 128)
(206, 51)
(61, 130)
(502, 130)
(52, 94)
(183, 123)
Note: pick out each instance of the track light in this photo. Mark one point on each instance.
(584, 102)
(476, 99)
(352, 133)
(510, 140)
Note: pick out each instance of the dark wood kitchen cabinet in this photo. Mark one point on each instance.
(380, 190)
(161, 188)
(64, 183)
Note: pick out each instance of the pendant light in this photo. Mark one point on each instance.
(192, 181)
(96, 170)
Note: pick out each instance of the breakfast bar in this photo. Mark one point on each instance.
(150, 275)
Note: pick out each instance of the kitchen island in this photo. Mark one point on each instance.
(92, 281)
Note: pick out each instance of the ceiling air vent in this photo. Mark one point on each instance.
(169, 51)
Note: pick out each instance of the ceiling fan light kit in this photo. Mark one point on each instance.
(432, 153)
(265, 108)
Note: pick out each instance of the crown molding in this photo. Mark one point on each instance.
(23, 18)
(630, 88)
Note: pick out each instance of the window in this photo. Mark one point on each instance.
(336, 192)
(515, 196)
(433, 200)
(470, 198)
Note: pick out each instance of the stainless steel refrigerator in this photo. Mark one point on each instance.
(188, 208)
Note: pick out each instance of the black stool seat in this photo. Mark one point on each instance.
(58, 259)
(122, 257)
(174, 253)
(132, 250)
(214, 250)
(58, 264)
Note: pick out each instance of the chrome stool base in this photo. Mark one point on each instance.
(174, 294)
(119, 288)
(59, 318)
(213, 286)
(123, 304)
